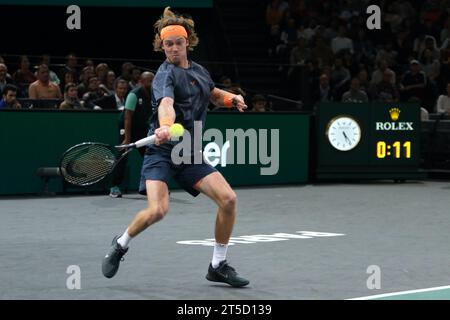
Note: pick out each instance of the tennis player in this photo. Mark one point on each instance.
(182, 90)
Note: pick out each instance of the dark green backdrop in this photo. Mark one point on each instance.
(33, 139)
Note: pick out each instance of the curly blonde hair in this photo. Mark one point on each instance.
(170, 18)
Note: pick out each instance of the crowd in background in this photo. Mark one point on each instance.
(324, 50)
(75, 86)
(71, 86)
(327, 53)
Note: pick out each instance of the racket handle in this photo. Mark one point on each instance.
(140, 143)
(145, 141)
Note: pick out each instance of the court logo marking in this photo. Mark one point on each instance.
(251, 239)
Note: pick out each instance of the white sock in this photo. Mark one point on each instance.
(220, 254)
(124, 240)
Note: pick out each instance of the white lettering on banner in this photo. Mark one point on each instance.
(394, 126)
(239, 147)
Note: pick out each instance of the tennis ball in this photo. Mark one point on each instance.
(176, 130)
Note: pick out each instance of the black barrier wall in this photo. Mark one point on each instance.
(275, 147)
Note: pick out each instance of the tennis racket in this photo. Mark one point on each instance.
(88, 163)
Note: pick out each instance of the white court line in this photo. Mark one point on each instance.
(400, 293)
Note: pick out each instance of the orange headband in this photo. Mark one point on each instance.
(173, 30)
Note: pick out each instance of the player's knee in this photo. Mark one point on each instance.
(229, 200)
(156, 213)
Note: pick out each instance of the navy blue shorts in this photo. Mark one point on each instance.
(159, 166)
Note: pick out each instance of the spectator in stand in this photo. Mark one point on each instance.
(9, 97)
(101, 71)
(363, 77)
(126, 71)
(445, 32)
(413, 82)
(275, 11)
(423, 42)
(229, 86)
(93, 94)
(323, 53)
(443, 102)
(378, 74)
(89, 63)
(135, 78)
(86, 74)
(68, 77)
(45, 59)
(23, 77)
(108, 87)
(340, 76)
(288, 37)
(341, 41)
(4, 79)
(71, 66)
(355, 94)
(385, 90)
(116, 101)
(387, 53)
(259, 103)
(43, 88)
(323, 92)
(299, 55)
(71, 100)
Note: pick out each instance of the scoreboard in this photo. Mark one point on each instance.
(368, 141)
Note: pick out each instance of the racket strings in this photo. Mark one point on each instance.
(87, 164)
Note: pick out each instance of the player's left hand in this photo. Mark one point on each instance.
(239, 102)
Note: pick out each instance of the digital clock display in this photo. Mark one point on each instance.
(397, 149)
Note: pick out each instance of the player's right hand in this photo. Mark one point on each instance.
(162, 135)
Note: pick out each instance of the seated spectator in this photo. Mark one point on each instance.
(388, 53)
(93, 94)
(9, 98)
(259, 103)
(126, 71)
(23, 77)
(71, 100)
(299, 55)
(413, 83)
(68, 77)
(135, 76)
(341, 41)
(45, 59)
(4, 79)
(339, 78)
(443, 102)
(355, 94)
(101, 71)
(70, 66)
(108, 87)
(431, 66)
(322, 52)
(43, 88)
(229, 86)
(378, 74)
(385, 91)
(117, 100)
(323, 92)
(363, 77)
(86, 74)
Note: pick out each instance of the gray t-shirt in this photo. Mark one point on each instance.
(189, 88)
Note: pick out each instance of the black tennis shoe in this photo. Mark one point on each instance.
(226, 273)
(111, 261)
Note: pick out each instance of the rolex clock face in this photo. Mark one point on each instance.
(343, 133)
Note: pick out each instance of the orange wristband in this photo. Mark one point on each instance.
(228, 101)
(166, 122)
